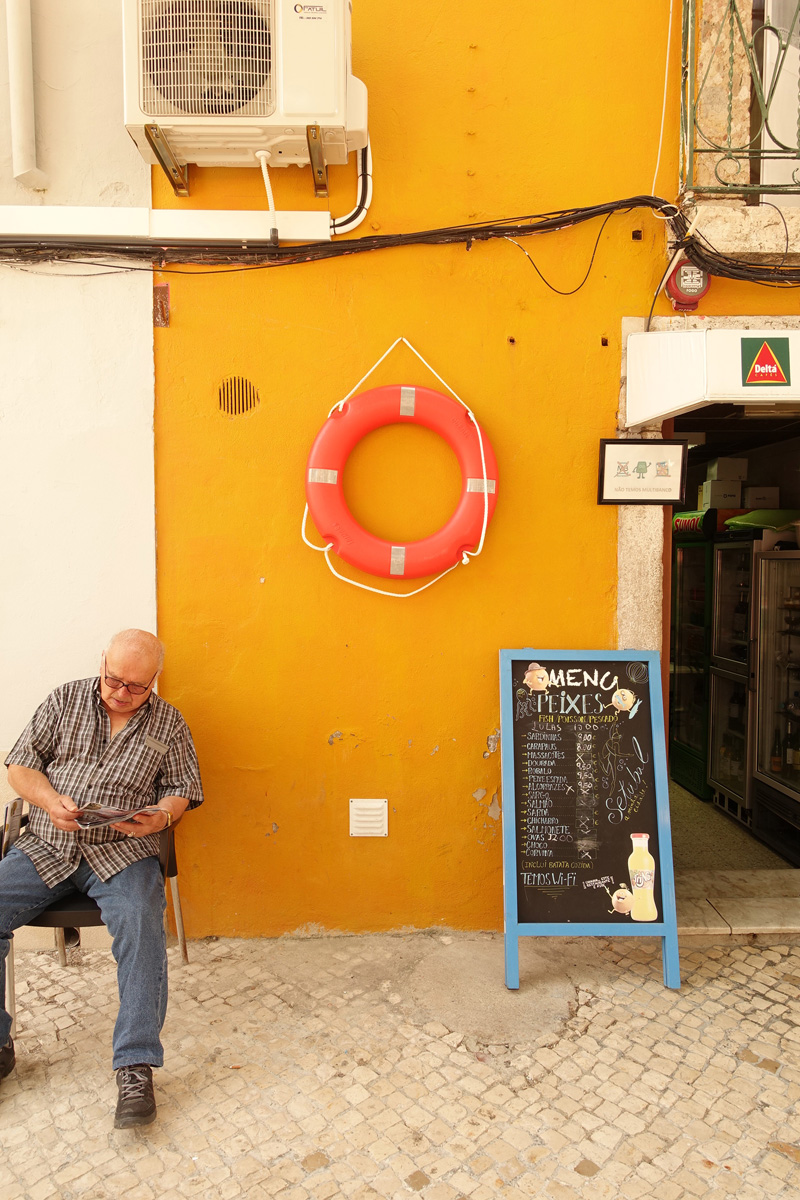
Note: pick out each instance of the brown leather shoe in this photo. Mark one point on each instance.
(136, 1104)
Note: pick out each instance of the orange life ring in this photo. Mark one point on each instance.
(398, 405)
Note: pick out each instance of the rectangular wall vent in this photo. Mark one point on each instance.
(369, 818)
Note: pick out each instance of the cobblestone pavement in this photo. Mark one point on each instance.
(395, 1065)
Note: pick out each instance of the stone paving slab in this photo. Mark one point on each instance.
(398, 1065)
(764, 915)
(696, 885)
(699, 916)
(738, 902)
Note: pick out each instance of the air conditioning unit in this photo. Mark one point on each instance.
(212, 82)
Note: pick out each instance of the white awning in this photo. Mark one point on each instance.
(673, 372)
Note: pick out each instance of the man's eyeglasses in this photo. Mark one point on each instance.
(116, 685)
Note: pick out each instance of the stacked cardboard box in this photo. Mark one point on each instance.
(723, 487)
(762, 497)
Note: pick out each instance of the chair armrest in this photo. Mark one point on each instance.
(13, 821)
(166, 853)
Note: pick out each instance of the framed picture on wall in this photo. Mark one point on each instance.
(642, 471)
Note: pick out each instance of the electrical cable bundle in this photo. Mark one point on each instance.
(226, 257)
(259, 255)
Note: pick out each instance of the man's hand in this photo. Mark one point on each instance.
(60, 810)
(152, 820)
(36, 788)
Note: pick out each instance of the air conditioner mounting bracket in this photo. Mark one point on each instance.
(318, 167)
(176, 173)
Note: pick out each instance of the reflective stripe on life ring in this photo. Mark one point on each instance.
(396, 405)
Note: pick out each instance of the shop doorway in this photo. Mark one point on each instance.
(732, 586)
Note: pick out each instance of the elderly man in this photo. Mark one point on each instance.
(114, 742)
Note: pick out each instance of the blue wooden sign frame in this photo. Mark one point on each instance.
(667, 927)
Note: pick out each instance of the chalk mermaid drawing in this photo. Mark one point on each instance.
(536, 678)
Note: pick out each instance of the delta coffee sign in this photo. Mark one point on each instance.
(765, 362)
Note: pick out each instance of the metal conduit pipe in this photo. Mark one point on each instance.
(20, 86)
(364, 185)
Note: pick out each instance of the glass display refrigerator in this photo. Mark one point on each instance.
(776, 784)
(689, 665)
(731, 690)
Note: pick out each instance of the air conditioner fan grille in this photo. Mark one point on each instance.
(206, 58)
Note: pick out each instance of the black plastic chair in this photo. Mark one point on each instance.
(77, 911)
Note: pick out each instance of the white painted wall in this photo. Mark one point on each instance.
(76, 476)
(81, 142)
(77, 513)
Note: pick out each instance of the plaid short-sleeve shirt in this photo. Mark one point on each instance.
(69, 740)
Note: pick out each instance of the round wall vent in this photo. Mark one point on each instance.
(238, 396)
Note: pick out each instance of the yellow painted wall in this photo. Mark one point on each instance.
(302, 692)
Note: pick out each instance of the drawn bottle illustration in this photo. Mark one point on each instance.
(642, 868)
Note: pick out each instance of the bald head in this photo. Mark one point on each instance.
(137, 642)
(132, 660)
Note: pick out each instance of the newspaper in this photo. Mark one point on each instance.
(94, 816)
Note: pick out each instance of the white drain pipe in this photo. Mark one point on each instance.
(20, 85)
(357, 215)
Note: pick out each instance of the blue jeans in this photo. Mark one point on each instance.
(132, 905)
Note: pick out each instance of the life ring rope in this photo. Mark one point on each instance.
(341, 403)
(365, 586)
(477, 484)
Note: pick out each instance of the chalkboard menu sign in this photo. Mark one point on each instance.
(586, 837)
